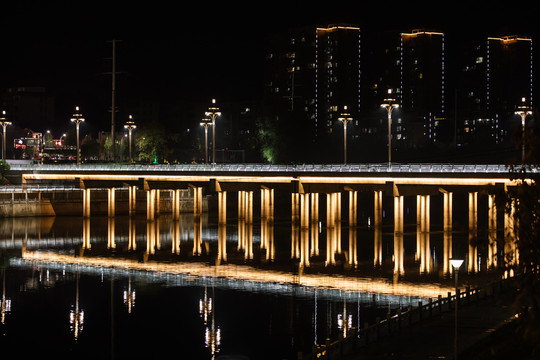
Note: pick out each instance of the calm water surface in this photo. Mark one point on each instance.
(128, 288)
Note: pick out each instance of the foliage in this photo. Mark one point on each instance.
(523, 205)
(4, 168)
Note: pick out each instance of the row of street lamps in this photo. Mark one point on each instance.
(390, 104)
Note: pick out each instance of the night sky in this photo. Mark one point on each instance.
(193, 51)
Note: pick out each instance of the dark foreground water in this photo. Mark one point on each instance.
(126, 288)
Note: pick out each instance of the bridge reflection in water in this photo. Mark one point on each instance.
(383, 254)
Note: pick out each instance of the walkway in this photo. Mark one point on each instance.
(434, 337)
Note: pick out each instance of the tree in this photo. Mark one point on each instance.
(4, 168)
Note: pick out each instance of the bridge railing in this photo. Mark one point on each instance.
(331, 168)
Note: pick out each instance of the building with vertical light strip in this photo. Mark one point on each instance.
(423, 98)
(493, 82)
(311, 74)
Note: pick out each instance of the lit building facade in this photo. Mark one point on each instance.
(496, 75)
(422, 87)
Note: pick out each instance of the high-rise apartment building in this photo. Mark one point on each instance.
(314, 72)
(494, 78)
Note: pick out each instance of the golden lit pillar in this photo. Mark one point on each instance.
(314, 219)
(86, 202)
(111, 202)
(353, 205)
(197, 200)
(492, 232)
(86, 244)
(132, 199)
(111, 242)
(158, 201)
(158, 234)
(132, 233)
(197, 234)
(422, 232)
(241, 219)
(473, 231)
(175, 204)
(249, 225)
(270, 247)
(150, 237)
(304, 230)
(511, 254)
(295, 219)
(150, 204)
(222, 227)
(447, 232)
(175, 249)
(333, 227)
(398, 235)
(377, 222)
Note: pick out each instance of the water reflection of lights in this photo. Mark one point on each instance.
(247, 278)
(5, 303)
(76, 315)
(129, 297)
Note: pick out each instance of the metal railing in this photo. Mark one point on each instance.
(300, 168)
(358, 338)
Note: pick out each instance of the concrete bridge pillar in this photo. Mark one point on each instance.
(111, 241)
(245, 223)
(510, 240)
(304, 230)
(111, 202)
(132, 234)
(447, 232)
(267, 222)
(473, 232)
(151, 204)
(175, 204)
(86, 202)
(492, 232)
(333, 227)
(132, 199)
(398, 235)
(353, 206)
(222, 227)
(86, 244)
(423, 208)
(197, 200)
(314, 219)
(377, 222)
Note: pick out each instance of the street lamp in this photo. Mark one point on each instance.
(345, 118)
(130, 125)
(206, 123)
(523, 111)
(389, 104)
(4, 123)
(77, 119)
(213, 112)
(456, 264)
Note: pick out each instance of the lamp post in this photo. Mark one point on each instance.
(130, 125)
(77, 119)
(4, 123)
(213, 112)
(206, 123)
(456, 264)
(345, 118)
(389, 104)
(523, 111)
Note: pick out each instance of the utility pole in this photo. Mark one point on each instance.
(113, 99)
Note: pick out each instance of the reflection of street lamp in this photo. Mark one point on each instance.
(523, 111)
(206, 123)
(345, 118)
(389, 104)
(5, 304)
(77, 119)
(213, 112)
(4, 123)
(456, 263)
(130, 125)
(129, 297)
(76, 316)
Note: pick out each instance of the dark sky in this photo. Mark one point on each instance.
(195, 50)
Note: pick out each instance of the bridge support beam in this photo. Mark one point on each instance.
(267, 222)
(314, 219)
(333, 227)
(423, 210)
(222, 227)
(353, 218)
(132, 199)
